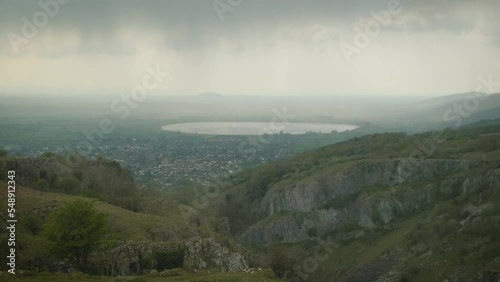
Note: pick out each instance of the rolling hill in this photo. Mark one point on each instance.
(382, 207)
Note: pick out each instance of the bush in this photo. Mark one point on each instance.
(281, 261)
(69, 185)
(33, 224)
(423, 233)
(312, 232)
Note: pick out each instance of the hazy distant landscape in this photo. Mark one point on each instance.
(250, 140)
(166, 159)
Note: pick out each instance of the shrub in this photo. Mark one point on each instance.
(33, 224)
(68, 185)
(281, 261)
(312, 232)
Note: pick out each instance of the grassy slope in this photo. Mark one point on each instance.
(125, 224)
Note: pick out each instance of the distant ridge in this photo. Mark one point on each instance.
(485, 122)
(449, 98)
(486, 115)
(477, 106)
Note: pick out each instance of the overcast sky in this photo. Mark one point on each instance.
(273, 47)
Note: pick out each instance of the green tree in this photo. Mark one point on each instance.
(281, 261)
(68, 185)
(76, 230)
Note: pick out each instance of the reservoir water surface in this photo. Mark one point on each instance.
(255, 128)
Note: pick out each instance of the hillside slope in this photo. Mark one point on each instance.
(391, 206)
(148, 231)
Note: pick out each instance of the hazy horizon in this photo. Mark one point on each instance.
(40, 94)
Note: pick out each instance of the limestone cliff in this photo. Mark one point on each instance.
(361, 193)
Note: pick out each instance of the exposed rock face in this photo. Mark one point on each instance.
(209, 253)
(308, 195)
(294, 211)
(374, 270)
(127, 258)
(132, 257)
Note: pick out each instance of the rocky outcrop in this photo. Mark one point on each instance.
(371, 272)
(309, 194)
(364, 193)
(131, 257)
(135, 258)
(211, 253)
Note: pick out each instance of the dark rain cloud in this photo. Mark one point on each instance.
(191, 25)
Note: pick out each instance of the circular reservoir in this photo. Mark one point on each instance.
(255, 128)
